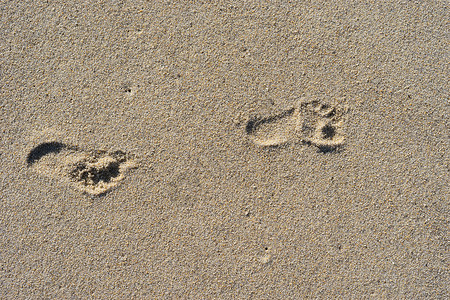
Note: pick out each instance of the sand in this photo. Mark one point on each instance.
(224, 149)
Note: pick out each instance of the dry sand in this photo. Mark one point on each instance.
(266, 150)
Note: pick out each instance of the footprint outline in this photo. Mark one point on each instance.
(311, 122)
(92, 172)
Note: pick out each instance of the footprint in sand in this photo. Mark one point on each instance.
(92, 172)
(308, 122)
(273, 130)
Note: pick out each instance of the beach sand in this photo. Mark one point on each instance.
(224, 149)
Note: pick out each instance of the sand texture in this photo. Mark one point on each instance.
(224, 149)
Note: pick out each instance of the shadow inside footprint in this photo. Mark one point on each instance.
(328, 132)
(43, 149)
(90, 175)
(328, 149)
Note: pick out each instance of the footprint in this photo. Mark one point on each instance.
(43, 149)
(92, 172)
(308, 122)
(273, 130)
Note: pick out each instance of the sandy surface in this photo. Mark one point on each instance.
(165, 149)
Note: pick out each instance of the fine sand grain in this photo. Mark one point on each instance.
(224, 149)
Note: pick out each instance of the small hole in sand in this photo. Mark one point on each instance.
(328, 132)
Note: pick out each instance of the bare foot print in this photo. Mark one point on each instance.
(308, 122)
(92, 172)
(273, 130)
